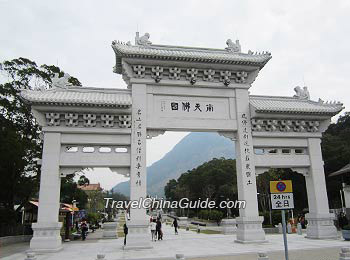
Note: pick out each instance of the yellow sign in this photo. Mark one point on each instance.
(281, 186)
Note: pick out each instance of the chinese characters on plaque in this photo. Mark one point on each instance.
(138, 154)
(186, 106)
(246, 150)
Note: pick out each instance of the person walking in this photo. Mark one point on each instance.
(126, 230)
(175, 226)
(159, 229)
(84, 229)
(153, 230)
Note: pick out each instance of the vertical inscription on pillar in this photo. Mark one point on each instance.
(138, 122)
(246, 144)
(244, 125)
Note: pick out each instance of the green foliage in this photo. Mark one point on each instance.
(70, 192)
(93, 217)
(216, 215)
(83, 181)
(299, 187)
(19, 134)
(215, 180)
(336, 154)
(346, 227)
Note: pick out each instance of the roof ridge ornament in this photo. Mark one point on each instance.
(61, 82)
(302, 93)
(143, 40)
(233, 47)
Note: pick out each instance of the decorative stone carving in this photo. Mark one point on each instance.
(154, 133)
(274, 125)
(192, 75)
(229, 135)
(208, 75)
(302, 93)
(89, 120)
(53, 119)
(233, 47)
(71, 119)
(124, 121)
(225, 76)
(157, 73)
(139, 71)
(241, 77)
(174, 73)
(61, 82)
(143, 40)
(107, 120)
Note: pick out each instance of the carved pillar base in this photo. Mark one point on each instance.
(46, 237)
(183, 222)
(249, 230)
(320, 226)
(228, 226)
(138, 237)
(110, 230)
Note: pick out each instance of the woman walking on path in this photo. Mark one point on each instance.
(153, 230)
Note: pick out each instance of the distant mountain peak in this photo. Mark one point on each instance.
(193, 150)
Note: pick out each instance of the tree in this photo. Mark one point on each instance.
(215, 180)
(19, 133)
(336, 154)
(70, 192)
(83, 180)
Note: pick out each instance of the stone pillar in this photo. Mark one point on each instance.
(46, 237)
(138, 236)
(249, 223)
(320, 221)
(346, 189)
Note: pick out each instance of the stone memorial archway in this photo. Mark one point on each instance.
(180, 89)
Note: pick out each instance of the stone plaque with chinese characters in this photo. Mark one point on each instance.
(192, 107)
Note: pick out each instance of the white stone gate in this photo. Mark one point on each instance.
(180, 89)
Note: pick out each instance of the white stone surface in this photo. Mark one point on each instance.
(188, 243)
(110, 230)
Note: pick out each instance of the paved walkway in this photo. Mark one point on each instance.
(194, 245)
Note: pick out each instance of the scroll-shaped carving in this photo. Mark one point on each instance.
(174, 73)
(107, 120)
(291, 125)
(192, 75)
(208, 75)
(71, 119)
(157, 73)
(225, 76)
(89, 120)
(53, 119)
(139, 71)
(241, 77)
(124, 121)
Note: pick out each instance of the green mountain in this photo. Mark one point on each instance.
(192, 151)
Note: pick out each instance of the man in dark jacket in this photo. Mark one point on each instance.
(159, 229)
(175, 226)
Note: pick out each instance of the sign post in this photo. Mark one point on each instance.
(282, 198)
